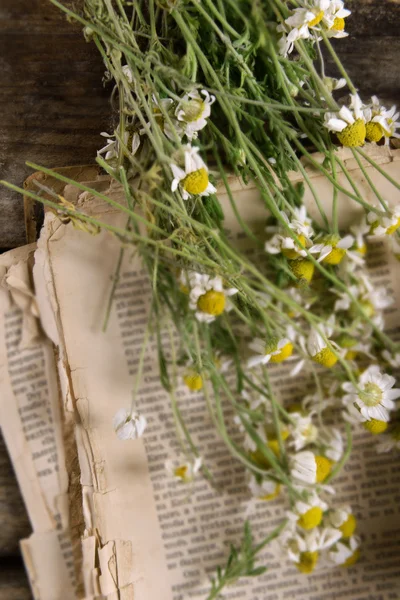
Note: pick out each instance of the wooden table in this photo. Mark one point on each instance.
(54, 106)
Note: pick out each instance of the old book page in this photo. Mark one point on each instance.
(32, 427)
(148, 537)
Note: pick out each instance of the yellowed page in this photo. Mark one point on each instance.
(31, 424)
(147, 537)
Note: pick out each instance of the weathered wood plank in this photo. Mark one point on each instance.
(53, 101)
(14, 583)
(373, 64)
(371, 52)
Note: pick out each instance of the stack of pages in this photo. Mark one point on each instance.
(107, 519)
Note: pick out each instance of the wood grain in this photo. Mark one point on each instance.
(53, 101)
(371, 52)
(14, 583)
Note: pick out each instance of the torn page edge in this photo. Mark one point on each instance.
(104, 581)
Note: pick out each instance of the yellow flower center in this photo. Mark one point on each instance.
(284, 353)
(295, 407)
(371, 395)
(335, 256)
(326, 358)
(375, 427)
(260, 459)
(193, 380)
(273, 495)
(181, 472)
(273, 444)
(302, 269)
(317, 19)
(362, 249)
(196, 182)
(310, 519)
(393, 228)
(374, 132)
(353, 135)
(338, 24)
(291, 253)
(324, 467)
(307, 562)
(212, 303)
(348, 527)
(193, 110)
(352, 559)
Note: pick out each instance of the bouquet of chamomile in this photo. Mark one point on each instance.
(206, 89)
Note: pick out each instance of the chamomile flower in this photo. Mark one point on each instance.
(300, 222)
(193, 179)
(374, 394)
(334, 84)
(384, 224)
(128, 424)
(353, 346)
(390, 441)
(286, 245)
(371, 298)
(331, 443)
(273, 349)
(160, 107)
(281, 242)
(318, 348)
(304, 548)
(303, 269)
(185, 471)
(334, 18)
(299, 298)
(343, 519)
(349, 123)
(309, 468)
(208, 296)
(301, 24)
(221, 362)
(381, 122)
(127, 71)
(392, 359)
(353, 415)
(345, 554)
(285, 43)
(332, 249)
(309, 17)
(111, 150)
(193, 112)
(193, 379)
(302, 430)
(359, 231)
(308, 514)
(255, 400)
(266, 489)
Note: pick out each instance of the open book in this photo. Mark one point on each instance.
(108, 521)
